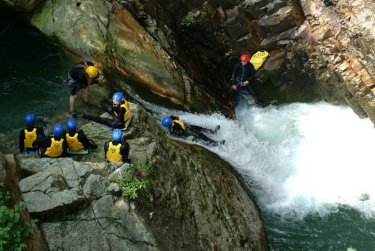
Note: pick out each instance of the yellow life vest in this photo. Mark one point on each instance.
(125, 105)
(73, 143)
(180, 122)
(56, 148)
(30, 137)
(113, 153)
(259, 58)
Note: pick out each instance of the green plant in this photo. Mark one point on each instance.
(194, 16)
(13, 230)
(188, 20)
(131, 185)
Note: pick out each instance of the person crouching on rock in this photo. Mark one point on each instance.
(75, 138)
(120, 111)
(179, 128)
(30, 134)
(80, 77)
(117, 149)
(54, 145)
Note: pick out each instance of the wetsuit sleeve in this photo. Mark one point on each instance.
(234, 73)
(43, 142)
(65, 146)
(106, 149)
(21, 140)
(82, 138)
(121, 114)
(124, 150)
(39, 132)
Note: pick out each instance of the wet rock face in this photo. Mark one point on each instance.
(185, 50)
(207, 37)
(341, 52)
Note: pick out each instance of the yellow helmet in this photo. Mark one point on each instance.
(91, 71)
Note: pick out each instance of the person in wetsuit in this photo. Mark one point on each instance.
(179, 128)
(79, 78)
(53, 146)
(117, 149)
(29, 134)
(243, 78)
(75, 138)
(120, 111)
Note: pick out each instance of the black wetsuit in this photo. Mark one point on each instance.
(116, 122)
(21, 143)
(77, 79)
(124, 149)
(242, 73)
(192, 130)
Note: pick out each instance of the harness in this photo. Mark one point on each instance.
(113, 153)
(30, 137)
(55, 149)
(179, 122)
(73, 143)
(126, 106)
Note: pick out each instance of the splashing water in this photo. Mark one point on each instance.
(301, 158)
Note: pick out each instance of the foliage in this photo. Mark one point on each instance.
(12, 230)
(131, 185)
(194, 17)
(188, 20)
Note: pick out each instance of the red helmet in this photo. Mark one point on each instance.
(245, 57)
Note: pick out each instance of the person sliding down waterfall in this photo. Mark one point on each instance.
(179, 128)
(120, 111)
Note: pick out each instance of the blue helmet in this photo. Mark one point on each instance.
(57, 130)
(166, 121)
(118, 96)
(116, 135)
(30, 119)
(71, 124)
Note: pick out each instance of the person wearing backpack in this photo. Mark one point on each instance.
(243, 78)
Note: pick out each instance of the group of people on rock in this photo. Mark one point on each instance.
(73, 140)
(69, 141)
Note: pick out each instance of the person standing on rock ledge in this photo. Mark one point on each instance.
(243, 77)
(117, 149)
(79, 78)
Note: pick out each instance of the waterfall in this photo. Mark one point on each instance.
(301, 158)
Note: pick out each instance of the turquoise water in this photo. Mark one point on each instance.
(32, 75)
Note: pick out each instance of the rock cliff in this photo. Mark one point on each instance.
(192, 201)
